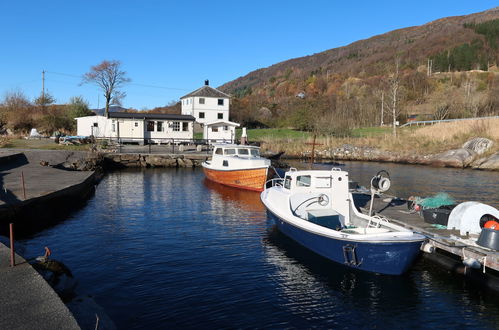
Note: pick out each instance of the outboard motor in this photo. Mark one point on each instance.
(379, 183)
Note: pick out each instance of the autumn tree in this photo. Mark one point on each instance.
(43, 100)
(16, 111)
(110, 78)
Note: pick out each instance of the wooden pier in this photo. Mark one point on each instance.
(441, 238)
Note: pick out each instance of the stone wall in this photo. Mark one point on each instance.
(152, 160)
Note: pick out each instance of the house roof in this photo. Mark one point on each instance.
(224, 122)
(206, 91)
(141, 115)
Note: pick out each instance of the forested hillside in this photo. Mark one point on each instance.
(443, 69)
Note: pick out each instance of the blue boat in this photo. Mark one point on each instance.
(315, 208)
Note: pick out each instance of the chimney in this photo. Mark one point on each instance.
(206, 82)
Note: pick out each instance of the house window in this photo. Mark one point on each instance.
(159, 126)
(113, 127)
(226, 128)
(150, 126)
(220, 115)
(176, 126)
(96, 124)
(214, 129)
(201, 115)
(136, 124)
(220, 101)
(201, 100)
(185, 126)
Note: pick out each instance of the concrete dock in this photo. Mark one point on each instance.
(27, 301)
(444, 240)
(37, 184)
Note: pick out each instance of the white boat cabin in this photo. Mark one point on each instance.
(235, 156)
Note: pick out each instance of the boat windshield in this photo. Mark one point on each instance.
(255, 152)
(243, 152)
(230, 151)
(303, 181)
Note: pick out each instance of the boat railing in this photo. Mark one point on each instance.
(275, 182)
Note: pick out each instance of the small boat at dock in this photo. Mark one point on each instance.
(239, 166)
(315, 208)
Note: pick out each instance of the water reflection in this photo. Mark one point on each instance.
(311, 284)
(244, 199)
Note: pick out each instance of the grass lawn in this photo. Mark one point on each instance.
(287, 133)
(47, 144)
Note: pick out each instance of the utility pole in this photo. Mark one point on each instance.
(43, 85)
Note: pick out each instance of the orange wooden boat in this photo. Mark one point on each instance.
(237, 166)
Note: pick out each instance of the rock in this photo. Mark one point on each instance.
(454, 158)
(130, 157)
(490, 163)
(478, 145)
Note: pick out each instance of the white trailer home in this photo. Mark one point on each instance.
(137, 127)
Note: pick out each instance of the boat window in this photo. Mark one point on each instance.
(323, 182)
(303, 181)
(219, 151)
(225, 163)
(255, 153)
(287, 182)
(230, 151)
(242, 152)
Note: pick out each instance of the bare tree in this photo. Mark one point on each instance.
(394, 86)
(110, 78)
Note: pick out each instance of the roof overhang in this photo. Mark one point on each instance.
(222, 122)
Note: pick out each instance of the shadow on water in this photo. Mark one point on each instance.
(45, 214)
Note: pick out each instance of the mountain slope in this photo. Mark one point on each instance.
(350, 80)
(414, 44)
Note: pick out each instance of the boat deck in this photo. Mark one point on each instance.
(450, 241)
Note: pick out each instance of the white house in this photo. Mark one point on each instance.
(137, 126)
(210, 106)
(220, 131)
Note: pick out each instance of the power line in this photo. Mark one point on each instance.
(134, 84)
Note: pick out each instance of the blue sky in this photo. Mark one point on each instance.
(176, 45)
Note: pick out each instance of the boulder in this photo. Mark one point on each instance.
(490, 163)
(454, 158)
(478, 145)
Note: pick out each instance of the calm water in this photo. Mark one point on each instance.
(164, 248)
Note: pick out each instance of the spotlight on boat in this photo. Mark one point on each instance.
(379, 184)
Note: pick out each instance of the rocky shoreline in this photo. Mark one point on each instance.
(473, 154)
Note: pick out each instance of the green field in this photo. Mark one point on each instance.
(287, 133)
